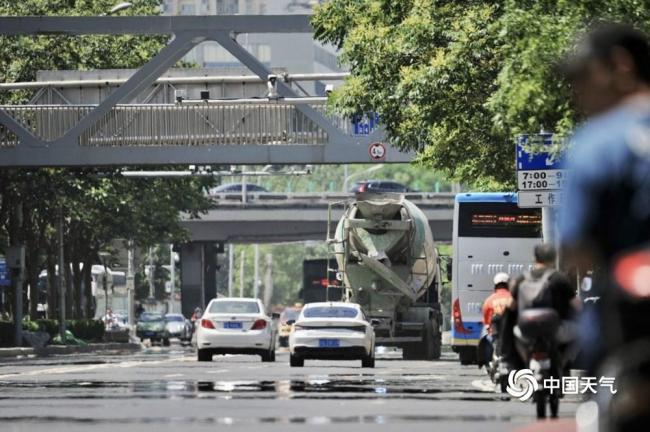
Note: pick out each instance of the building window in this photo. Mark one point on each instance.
(188, 9)
(227, 7)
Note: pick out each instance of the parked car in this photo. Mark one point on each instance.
(179, 327)
(288, 316)
(332, 330)
(379, 186)
(236, 326)
(236, 188)
(152, 326)
(121, 319)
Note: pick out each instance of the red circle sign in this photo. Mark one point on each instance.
(377, 151)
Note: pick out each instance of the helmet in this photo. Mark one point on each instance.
(501, 278)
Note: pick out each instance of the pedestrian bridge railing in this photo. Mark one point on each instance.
(226, 123)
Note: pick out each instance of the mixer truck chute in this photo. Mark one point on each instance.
(389, 265)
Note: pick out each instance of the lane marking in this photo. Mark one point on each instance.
(85, 368)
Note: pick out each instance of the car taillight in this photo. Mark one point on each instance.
(539, 355)
(458, 318)
(206, 323)
(259, 324)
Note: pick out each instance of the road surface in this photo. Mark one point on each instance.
(165, 389)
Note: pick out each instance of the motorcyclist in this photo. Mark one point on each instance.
(493, 309)
(546, 287)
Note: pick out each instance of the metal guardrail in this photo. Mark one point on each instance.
(261, 198)
(227, 123)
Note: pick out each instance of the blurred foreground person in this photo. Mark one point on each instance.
(606, 220)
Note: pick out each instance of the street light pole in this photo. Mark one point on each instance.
(130, 283)
(256, 272)
(242, 269)
(172, 276)
(62, 284)
(151, 284)
(231, 259)
(367, 171)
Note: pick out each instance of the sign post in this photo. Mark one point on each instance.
(540, 180)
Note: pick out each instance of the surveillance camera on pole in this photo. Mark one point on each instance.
(272, 85)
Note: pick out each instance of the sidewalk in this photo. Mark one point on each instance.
(70, 349)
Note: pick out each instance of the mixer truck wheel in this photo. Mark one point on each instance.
(428, 346)
(437, 347)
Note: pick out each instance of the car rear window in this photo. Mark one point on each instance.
(234, 307)
(330, 312)
(147, 317)
(178, 318)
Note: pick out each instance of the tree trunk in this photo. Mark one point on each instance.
(69, 292)
(52, 291)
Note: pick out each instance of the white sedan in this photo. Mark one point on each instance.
(332, 330)
(235, 326)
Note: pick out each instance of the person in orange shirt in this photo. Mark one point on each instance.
(494, 306)
(498, 301)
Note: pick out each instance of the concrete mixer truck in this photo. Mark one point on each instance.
(388, 263)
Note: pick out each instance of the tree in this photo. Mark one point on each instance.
(96, 209)
(458, 80)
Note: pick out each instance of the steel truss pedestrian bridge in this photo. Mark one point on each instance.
(283, 128)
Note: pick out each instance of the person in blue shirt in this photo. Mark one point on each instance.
(606, 216)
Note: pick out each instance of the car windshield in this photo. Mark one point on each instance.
(235, 307)
(330, 312)
(148, 317)
(174, 318)
(289, 314)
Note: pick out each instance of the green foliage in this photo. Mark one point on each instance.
(456, 81)
(87, 330)
(96, 209)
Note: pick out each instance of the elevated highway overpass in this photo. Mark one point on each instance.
(272, 218)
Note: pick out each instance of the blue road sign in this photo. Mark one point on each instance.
(538, 161)
(363, 125)
(4, 273)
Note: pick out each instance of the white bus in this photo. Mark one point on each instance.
(491, 235)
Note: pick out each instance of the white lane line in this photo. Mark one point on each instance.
(172, 376)
(85, 368)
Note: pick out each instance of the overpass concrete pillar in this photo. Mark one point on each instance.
(198, 274)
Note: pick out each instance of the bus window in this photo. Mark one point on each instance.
(498, 220)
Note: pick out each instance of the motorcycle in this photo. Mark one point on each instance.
(489, 355)
(535, 335)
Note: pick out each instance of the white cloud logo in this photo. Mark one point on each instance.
(522, 384)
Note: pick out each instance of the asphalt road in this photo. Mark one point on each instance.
(165, 389)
